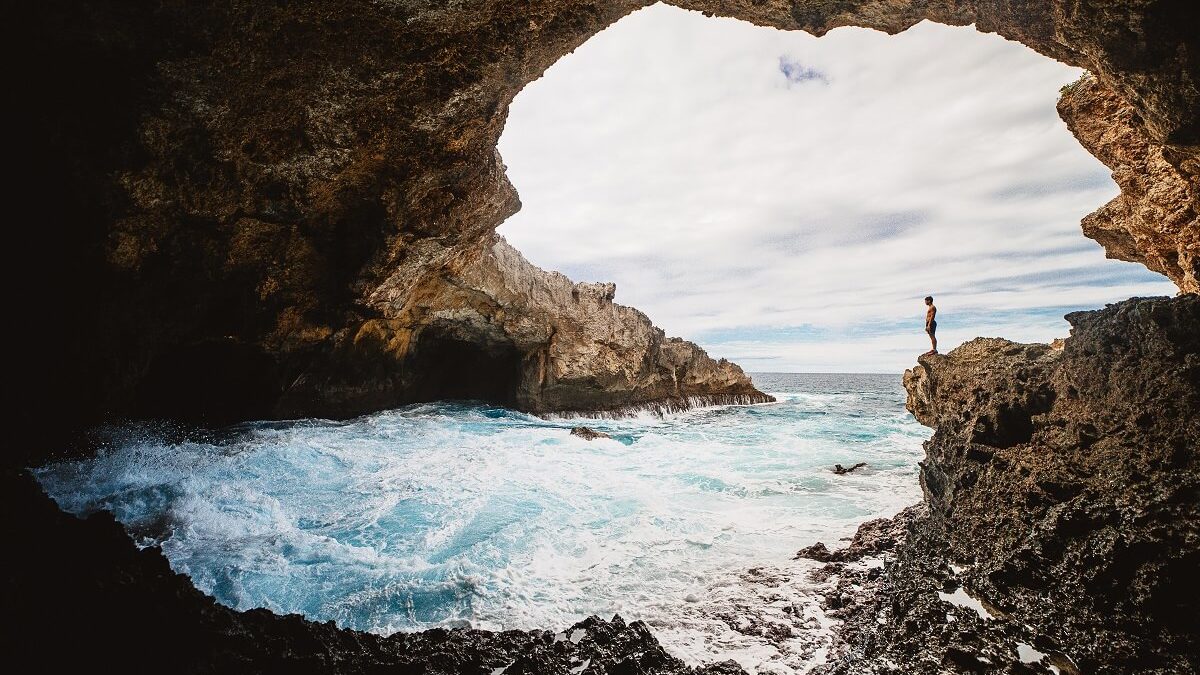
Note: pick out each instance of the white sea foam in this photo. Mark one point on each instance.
(447, 514)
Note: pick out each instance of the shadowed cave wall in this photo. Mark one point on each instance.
(449, 367)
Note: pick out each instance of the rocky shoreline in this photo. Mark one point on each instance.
(493, 326)
(1061, 516)
(1051, 534)
(289, 206)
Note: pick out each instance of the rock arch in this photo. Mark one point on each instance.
(289, 176)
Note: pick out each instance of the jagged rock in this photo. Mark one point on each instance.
(1156, 218)
(841, 470)
(872, 538)
(1066, 483)
(587, 433)
(493, 326)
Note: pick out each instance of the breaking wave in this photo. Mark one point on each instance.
(449, 514)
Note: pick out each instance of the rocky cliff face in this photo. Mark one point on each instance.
(239, 195)
(1156, 218)
(491, 325)
(1063, 495)
(580, 351)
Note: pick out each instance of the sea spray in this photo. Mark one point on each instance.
(445, 514)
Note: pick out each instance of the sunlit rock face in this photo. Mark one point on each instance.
(1066, 481)
(493, 326)
(1154, 220)
(268, 185)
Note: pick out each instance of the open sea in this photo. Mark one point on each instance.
(453, 514)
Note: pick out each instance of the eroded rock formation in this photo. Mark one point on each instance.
(1063, 488)
(493, 326)
(1156, 218)
(236, 193)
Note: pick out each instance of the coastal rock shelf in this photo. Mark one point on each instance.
(1062, 490)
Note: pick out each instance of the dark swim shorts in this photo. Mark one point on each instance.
(932, 328)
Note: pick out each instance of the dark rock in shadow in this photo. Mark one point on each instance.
(1063, 490)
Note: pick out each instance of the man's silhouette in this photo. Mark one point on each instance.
(931, 324)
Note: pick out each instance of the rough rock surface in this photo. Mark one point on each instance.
(494, 326)
(1156, 218)
(873, 537)
(1064, 486)
(236, 192)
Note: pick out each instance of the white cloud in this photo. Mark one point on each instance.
(728, 176)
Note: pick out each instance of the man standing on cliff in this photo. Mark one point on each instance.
(931, 324)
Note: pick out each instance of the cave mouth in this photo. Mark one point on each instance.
(449, 367)
(749, 186)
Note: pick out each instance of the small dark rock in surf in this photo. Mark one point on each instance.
(838, 468)
(588, 433)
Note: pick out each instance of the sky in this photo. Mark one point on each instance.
(787, 201)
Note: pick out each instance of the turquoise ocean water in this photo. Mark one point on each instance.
(448, 514)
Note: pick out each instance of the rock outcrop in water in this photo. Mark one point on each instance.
(588, 433)
(493, 326)
(1063, 495)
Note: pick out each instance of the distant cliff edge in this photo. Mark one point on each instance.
(493, 326)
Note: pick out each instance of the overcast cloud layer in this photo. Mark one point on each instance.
(787, 201)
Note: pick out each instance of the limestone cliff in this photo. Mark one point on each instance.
(1063, 493)
(1156, 218)
(493, 326)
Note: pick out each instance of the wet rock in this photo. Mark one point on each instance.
(1056, 500)
(840, 470)
(588, 433)
(872, 538)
